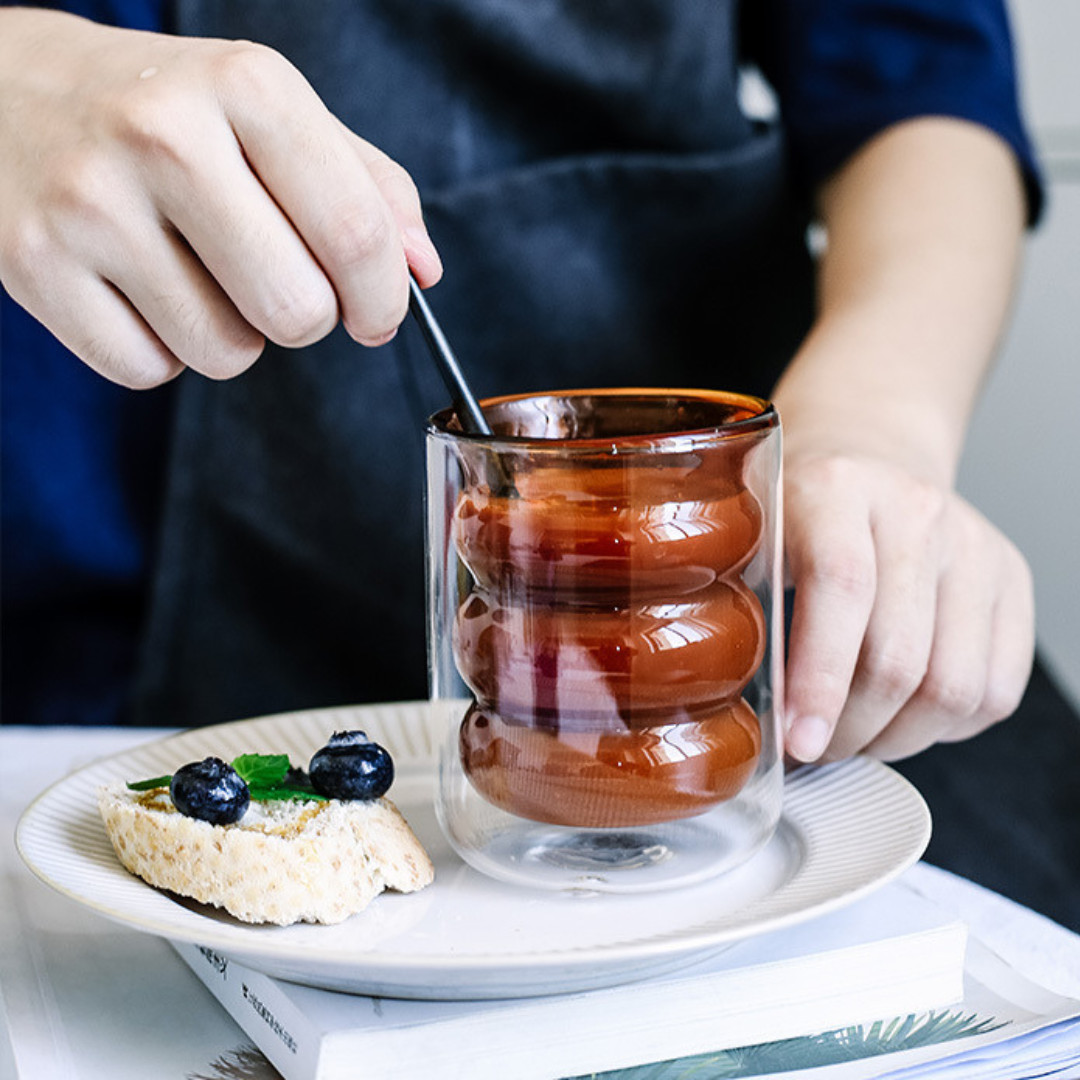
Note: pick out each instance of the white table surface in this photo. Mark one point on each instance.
(120, 1003)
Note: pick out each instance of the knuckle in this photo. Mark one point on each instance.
(225, 363)
(84, 187)
(142, 373)
(371, 329)
(224, 358)
(831, 472)
(844, 572)
(242, 346)
(363, 233)
(925, 503)
(396, 182)
(894, 673)
(247, 68)
(25, 249)
(826, 467)
(385, 170)
(391, 169)
(958, 694)
(830, 689)
(301, 317)
(152, 127)
(149, 378)
(1016, 568)
(1001, 698)
(216, 347)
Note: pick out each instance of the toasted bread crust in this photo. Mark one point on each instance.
(283, 862)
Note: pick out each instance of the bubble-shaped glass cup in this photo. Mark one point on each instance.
(604, 634)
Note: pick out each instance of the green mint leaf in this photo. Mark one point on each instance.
(264, 775)
(149, 785)
(262, 770)
(285, 792)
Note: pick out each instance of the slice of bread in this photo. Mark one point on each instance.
(283, 862)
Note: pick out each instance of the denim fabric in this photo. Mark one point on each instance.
(844, 69)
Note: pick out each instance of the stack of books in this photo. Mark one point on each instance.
(891, 974)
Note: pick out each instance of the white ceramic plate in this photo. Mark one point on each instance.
(846, 830)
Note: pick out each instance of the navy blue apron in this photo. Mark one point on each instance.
(606, 215)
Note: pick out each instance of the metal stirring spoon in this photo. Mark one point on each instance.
(467, 408)
(465, 404)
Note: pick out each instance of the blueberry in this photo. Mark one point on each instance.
(347, 738)
(210, 790)
(350, 766)
(295, 777)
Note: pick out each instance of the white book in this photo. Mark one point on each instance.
(889, 954)
(1006, 1028)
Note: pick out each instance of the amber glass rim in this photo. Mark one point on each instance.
(444, 422)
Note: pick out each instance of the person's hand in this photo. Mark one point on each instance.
(913, 619)
(170, 202)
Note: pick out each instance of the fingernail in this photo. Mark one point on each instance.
(808, 738)
(418, 244)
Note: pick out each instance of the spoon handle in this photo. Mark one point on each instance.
(465, 404)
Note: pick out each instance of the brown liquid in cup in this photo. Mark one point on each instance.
(608, 637)
(570, 539)
(628, 662)
(610, 777)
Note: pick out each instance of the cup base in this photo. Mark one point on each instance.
(596, 853)
(634, 860)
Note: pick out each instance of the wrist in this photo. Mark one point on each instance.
(36, 54)
(852, 392)
(23, 26)
(924, 226)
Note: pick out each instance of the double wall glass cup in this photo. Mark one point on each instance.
(605, 635)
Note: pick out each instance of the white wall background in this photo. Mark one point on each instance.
(1022, 465)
